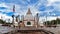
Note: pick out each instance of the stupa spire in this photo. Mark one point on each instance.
(29, 12)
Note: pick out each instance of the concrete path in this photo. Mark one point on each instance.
(52, 29)
(5, 29)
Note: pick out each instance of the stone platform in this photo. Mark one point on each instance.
(33, 30)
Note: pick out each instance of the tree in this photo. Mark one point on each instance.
(2, 22)
(58, 21)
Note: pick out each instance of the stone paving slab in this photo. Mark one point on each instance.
(4, 29)
(52, 29)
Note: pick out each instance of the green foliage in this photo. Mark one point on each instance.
(53, 22)
(2, 22)
(8, 23)
(58, 20)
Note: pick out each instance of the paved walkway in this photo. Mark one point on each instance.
(52, 29)
(5, 29)
(56, 30)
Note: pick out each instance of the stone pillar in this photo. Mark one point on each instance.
(13, 20)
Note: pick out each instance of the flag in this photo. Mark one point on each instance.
(13, 8)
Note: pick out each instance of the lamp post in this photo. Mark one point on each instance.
(37, 19)
(13, 20)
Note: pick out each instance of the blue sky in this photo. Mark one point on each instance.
(43, 7)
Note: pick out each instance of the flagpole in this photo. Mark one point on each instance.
(13, 15)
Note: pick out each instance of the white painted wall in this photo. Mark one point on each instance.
(32, 23)
(29, 17)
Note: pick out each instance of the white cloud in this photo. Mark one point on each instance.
(50, 2)
(5, 17)
(3, 5)
(8, 9)
(34, 10)
(49, 18)
(21, 10)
